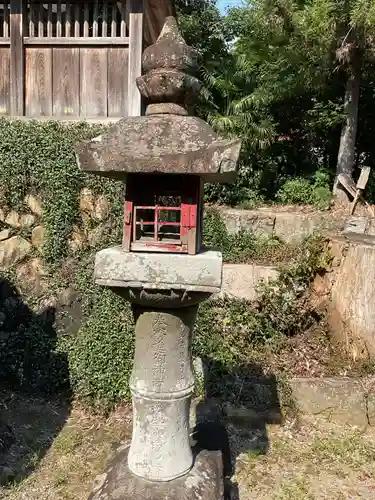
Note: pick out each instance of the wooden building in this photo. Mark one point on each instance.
(70, 60)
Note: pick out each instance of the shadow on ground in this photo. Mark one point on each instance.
(234, 414)
(32, 374)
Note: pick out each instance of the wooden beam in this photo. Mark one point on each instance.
(72, 41)
(17, 72)
(135, 55)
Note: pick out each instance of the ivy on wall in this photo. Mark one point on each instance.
(38, 158)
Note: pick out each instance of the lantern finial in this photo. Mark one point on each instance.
(169, 66)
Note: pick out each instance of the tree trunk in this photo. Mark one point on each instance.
(346, 154)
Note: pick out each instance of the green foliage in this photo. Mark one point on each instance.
(282, 89)
(29, 357)
(39, 158)
(243, 246)
(302, 191)
(230, 332)
(100, 358)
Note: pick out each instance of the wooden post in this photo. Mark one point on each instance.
(17, 71)
(135, 55)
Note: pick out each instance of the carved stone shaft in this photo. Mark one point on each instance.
(162, 383)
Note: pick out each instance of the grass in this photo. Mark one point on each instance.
(58, 450)
(315, 460)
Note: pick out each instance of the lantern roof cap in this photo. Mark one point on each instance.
(160, 145)
(166, 140)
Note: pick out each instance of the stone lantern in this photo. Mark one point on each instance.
(164, 158)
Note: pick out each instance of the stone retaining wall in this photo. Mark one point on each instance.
(347, 401)
(290, 226)
(347, 290)
(22, 232)
(240, 280)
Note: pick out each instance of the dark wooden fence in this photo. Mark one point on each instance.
(70, 60)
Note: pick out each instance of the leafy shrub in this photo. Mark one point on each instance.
(100, 358)
(295, 191)
(228, 330)
(303, 192)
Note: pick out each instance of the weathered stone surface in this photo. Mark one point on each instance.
(4, 234)
(77, 240)
(291, 227)
(340, 400)
(2, 215)
(37, 236)
(34, 203)
(169, 66)
(13, 219)
(27, 220)
(241, 280)
(200, 273)
(13, 250)
(203, 482)
(356, 225)
(170, 51)
(86, 201)
(161, 384)
(250, 220)
(161, 144)
(351, 312)
(31, 275)
(101, 208)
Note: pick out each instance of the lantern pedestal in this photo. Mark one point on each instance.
(164, 290)
(203, 482)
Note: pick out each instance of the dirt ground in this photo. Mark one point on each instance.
(59, 450)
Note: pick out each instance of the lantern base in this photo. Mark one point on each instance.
(204, 481)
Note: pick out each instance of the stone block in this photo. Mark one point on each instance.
(87, 201)
(289, 226)
(27, 220)
(340, 400)
(37, 236)
(13, 250)
(356, 225)
(77, 240)
(13, 219)
(101, 208)
(240, 280)
(4, 234)
(163, 271)
(34, 203)
(351, 312)
(203, 482)
(32, 277)
(293, 227)
(248, 220)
